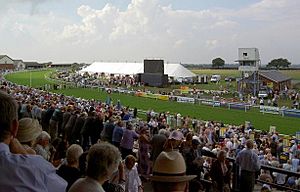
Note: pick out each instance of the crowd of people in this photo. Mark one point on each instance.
(97, 79)
(71, 144)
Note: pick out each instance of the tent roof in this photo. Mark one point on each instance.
(172, 70)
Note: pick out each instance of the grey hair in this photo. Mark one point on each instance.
(9, 113)
(162, 132)
(73, 153)
(100, 159)
(43, 135)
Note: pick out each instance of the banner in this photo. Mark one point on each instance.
(152, 96)
(252, 135)
(286, 143)
(223, 131)
(185, 100)
(269, 109)
(211, 103)
(272, 129)
(184, 89)
(163, 97)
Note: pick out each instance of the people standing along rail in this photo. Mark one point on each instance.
(249, 165)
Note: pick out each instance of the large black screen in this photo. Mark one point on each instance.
(154, 66)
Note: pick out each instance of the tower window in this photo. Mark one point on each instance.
(245, 54)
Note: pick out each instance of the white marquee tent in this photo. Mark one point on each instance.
(172, 70)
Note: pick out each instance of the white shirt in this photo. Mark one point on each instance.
(27, 173)
(133, 180)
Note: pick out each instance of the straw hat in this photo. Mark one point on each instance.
(170, 167)
(29, 130)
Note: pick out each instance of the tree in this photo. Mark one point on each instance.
(218, 62)
(279, 63)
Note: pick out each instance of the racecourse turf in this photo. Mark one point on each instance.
(285, 125)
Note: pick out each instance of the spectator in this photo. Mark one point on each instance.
(133, 182)
(220, 173)
(169, 173)
(118, 133)
(70, 170)
(108, 130)
(249, 164)
(21, 172)
(29, 130)
(157, 142)
(103, 160)
(174, 141)
(127, 141)
(117, 181)
(42, 145)
(143, 153)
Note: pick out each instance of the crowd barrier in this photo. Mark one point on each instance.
(209, 102)
(269, 109)
(235, 180)
(185, 100)
(241, 106)
(291, 113)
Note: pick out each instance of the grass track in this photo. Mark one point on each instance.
(286, 125)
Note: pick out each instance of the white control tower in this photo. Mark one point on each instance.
(249, 62)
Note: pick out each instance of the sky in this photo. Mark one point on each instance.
(178, 31)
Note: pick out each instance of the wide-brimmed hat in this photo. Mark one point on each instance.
(170, 167)
(29, 129)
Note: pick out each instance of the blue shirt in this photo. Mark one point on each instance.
(27, 173)
(117, 134)
(128, 139)
(248, 160)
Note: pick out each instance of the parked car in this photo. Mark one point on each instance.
(215, 78)
(229, 79)
(263, 94)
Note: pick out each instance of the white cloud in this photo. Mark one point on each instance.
(148, 29)
(211, 43)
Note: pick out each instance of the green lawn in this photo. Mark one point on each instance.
(222, 72)
(23, 78)
(286, 125)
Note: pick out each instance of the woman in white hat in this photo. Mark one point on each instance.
(29, 130)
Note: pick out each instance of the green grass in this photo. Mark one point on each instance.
(23, 78)
(222, 72)
(286, 125)
(294, 74)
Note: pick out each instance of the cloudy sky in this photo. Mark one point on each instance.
(186, 31)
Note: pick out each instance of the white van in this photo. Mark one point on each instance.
(215, 78)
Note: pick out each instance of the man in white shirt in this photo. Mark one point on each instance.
(20, 171)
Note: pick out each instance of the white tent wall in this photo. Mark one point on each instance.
(172, 70)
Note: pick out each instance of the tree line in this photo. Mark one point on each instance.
(279, 63)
